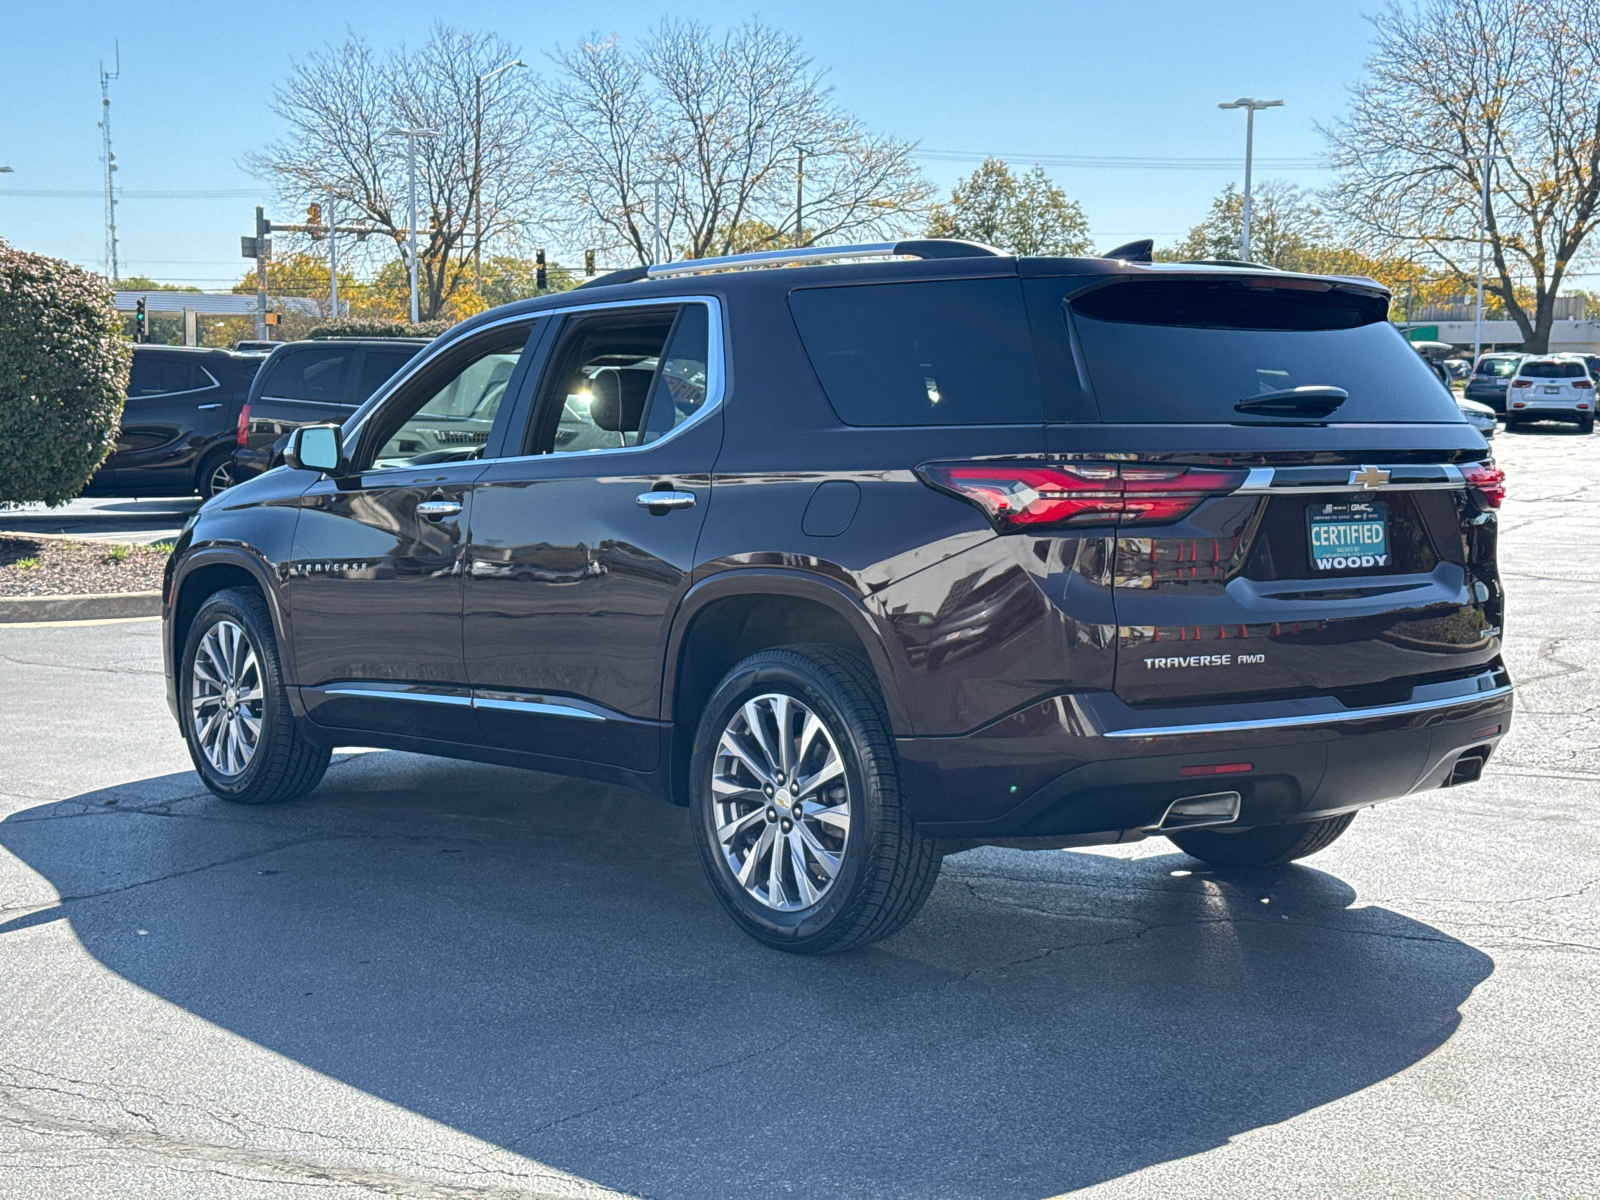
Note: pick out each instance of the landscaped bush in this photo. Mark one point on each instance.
(63, 376)
(377, 327)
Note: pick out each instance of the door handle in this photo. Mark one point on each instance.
(666, 500)
(434, 510)
(206, 407)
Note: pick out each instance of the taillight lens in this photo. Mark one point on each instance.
(242, 434)
(1033, 497)
(1489, 479)
(1582, 383)
(1522, 383)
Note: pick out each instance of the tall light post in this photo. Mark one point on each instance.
(411, 136)
(477, 167)
(1483, 237)
(800, 198)
(1251, 106)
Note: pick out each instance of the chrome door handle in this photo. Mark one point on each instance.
(206, 407)
(435, 509)
(666, 499)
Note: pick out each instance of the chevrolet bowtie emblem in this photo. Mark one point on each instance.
(1369, 477)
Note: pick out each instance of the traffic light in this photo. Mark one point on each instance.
(141, 322)
(588, 262)
(314, 219)
(540, 279)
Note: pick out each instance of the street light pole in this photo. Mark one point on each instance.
(411, 136)
(1483, 237)
(333, 259)
(1250, 106)
(800, 198)
(477, 168)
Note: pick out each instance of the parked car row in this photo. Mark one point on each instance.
(1523, 388)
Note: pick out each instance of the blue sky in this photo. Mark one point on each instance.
(1140, 79)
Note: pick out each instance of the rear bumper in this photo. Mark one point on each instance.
(1088, 769)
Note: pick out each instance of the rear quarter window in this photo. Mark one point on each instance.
(950, 352)
(164, 374)
(309, 375)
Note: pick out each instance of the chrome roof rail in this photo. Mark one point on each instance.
(910, 248)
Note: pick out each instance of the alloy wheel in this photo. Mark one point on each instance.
(226, 698)
(221, 477)
(782, 802)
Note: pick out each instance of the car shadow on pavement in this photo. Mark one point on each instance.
(537, 962)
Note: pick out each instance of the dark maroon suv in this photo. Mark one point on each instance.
(869, 554)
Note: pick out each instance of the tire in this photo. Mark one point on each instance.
(882, 868)
(232, 637)
(1512, 426)
(1586, 425)
(1264, 847)
(215, 474)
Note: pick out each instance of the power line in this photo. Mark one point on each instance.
(1124, 162)
(125, 194)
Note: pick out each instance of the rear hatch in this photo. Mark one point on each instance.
(1304, 512)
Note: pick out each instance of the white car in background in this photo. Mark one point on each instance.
(1480, 416)
(1550, 387)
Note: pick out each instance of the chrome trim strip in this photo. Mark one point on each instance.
(1360, 714)
(1259, 482)
(771, 258)
(381, 693)
(539, 707)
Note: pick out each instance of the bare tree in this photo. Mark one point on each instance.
(339, 103)
(722, 128)
(1454, 86)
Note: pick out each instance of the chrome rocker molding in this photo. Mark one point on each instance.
(1355, 714)
(516, 702)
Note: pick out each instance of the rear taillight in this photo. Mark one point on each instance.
(1522, 383)
(1582, 383)
(242, 434)
(1034, 497)
(1489, 479)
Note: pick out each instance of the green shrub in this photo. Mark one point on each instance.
(377, 327)
(63, 376)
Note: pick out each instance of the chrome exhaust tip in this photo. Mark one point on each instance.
(1194, 812)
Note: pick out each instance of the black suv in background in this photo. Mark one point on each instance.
(1491, 378)
(179, 422)
(304, 383)
(866, 561)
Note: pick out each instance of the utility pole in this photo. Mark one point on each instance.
(411, 136)
(800, 199)
(1483, 238)
(1250, 106)
(262, 245)
(659, 250)
(333, 260)
(110, 161)
(477, 170)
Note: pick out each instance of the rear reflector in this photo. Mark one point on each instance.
(1222, 769)
(1030, 496)
(242, 434)
(1487, 731)
(1488, 478)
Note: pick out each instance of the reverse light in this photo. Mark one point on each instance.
(242, 434)
(1488, 478)
(1032, 496)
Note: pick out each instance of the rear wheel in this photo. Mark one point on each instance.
(234, 709)
(215, 474)
(796, 807)
(1264, 847)
(1586, 425)
(1512, 425)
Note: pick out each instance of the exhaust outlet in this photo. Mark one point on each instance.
(1469, 767)
(1194, 812)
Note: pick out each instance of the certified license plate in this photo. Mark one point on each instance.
(1346, 536)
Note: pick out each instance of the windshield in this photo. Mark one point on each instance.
(1553, 370)
(1189, 351)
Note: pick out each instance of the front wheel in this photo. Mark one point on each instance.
(234, 708)
(796, 804)
(1264, 847)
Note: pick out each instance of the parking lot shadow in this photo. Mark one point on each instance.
(537, 962)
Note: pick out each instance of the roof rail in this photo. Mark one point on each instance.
(912, 248)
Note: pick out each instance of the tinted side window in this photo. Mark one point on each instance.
(310, 375)
(939, 353)
(684, 379)
(161, 374)
(604, 372)
(380, 365)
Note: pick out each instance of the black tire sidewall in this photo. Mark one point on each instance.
(795, 675)
(233, 606)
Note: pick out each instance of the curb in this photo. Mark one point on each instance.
(79, 608)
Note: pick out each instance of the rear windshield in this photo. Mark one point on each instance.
(952, 352)
(1553, 370)
(1498, 368)
(1187, 351)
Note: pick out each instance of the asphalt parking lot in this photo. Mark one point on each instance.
(446, 980)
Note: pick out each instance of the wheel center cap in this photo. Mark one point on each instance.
(782, 797)
(233, 697)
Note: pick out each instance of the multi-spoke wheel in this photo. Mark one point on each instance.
(233, 708)
(225, 697)
(215, 475)
(797, 803)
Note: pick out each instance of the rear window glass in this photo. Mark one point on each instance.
(380, 365)
(163, 374)
(953, 352)
(310, 375)
(1554, 370)
(1498, 368)
(1186, 351)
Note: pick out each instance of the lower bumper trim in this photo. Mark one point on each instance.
(1354, 714)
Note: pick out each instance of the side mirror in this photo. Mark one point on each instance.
(316, 448)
